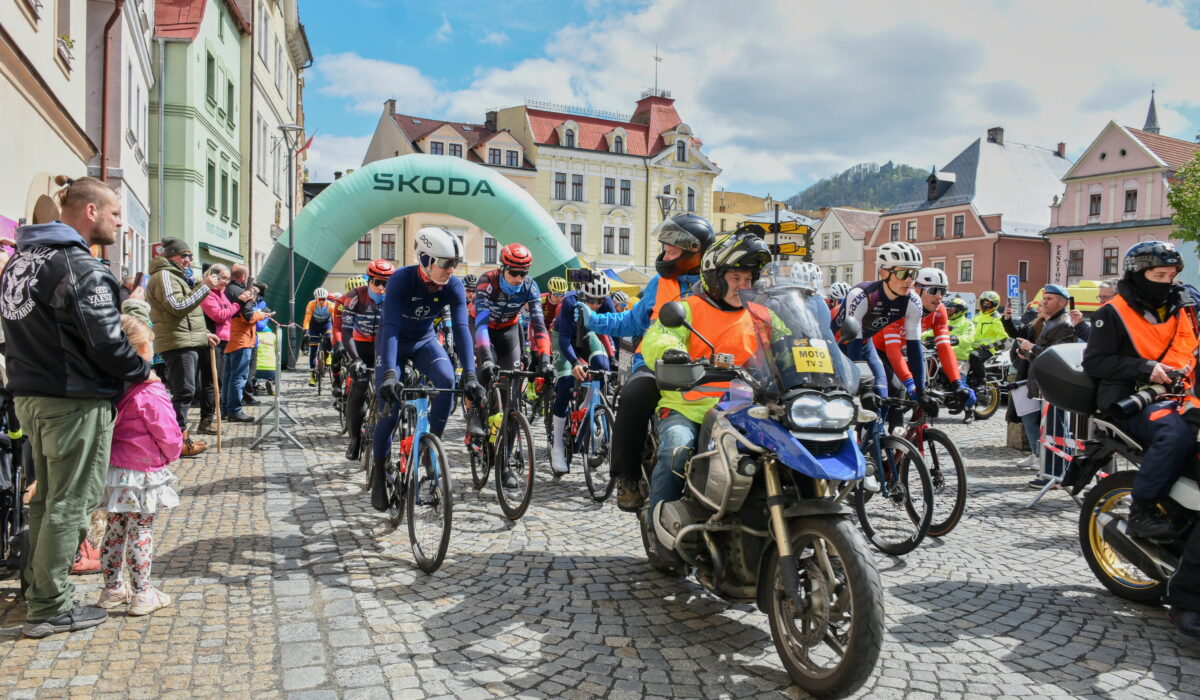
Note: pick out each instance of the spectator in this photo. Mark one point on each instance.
(218, 311)
(68, 363)
(260, 304)
(180, 334)
(242, 336)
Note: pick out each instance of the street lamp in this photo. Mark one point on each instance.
(291, 137)
(666, 202)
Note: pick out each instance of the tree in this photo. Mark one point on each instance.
(1184, 198)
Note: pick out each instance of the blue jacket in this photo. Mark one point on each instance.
(634, 321)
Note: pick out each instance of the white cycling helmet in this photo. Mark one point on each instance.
(932, 277)
(436, 245)
(595, 290)
(808, 276)
(898, 254)
(620, 297)
(839, 290)
(321, 293)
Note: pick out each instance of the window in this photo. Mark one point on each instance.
(836, 240)
(939, 227)
(262, 22)
(1130, 201)
(494, 158)
(489, 250)
(833, 274)
(436, 148)
(618, 145)
(912, 230)
(577, 188)
(610, 239)
(610, 190)
(363, 251)
(681, 151)
(560, 185)
(456, 150)
(848, 274)
(960, 224)
(626, 193)
(513, 159)
(1094, 205)
(691, 199)
(895, 232)
(1075, 263)
(210, 183)
(964, 269)
(577, 237)
(229, 100)
(941, 265)
(387, 246)
(825, 241)
(1110, 261)
(210, 78)
(233, 196)
(624, 241)
(569, 139)
(224, 195)
(1023, 270)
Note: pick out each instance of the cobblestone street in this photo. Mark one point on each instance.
(288, 584)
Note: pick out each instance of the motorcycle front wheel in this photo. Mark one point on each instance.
(1118, 574)
(987, 397)
(829, 643)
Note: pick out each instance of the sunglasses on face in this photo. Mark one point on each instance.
(186, 255)
(446, 263)
(517, 273)
(378, 283)
(903, 273)
(934, 291)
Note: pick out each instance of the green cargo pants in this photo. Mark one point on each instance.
(71, 439)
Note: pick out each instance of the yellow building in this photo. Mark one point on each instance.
(732, 208)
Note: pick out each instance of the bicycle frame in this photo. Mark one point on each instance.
(593, 393)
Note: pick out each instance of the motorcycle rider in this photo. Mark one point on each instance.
(989, 332)
(684, 238)
(360, 321)
(1147, 331)
(962, 329)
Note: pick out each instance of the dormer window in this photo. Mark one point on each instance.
(569, 138)
(933, 188)
(618, 145)
(681, 151)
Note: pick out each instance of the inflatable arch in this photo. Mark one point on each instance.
(386, 189)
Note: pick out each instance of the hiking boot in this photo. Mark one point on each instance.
(352, 449)
(1148, 522)
(77, 618)
(629, 494)
(207, 426)
(379, 494)
(191, 447)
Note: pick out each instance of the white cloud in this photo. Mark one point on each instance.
(444, 32)
(330, 153)
(495, 38)
(364, 83)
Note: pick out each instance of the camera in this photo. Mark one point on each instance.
(581, 275)
(1130, 406)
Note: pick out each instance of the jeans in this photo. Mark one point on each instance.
(1169, 443)
(676, 443)
(237, 369)
(182, 373)
(431, 360)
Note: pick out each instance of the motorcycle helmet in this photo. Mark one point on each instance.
(687, 231)
(1148, 254)
(988, 301)
(736, 251)
(956, 307)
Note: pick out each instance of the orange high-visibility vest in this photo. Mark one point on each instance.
(668, 290)
(730, 332)
(1172, 342)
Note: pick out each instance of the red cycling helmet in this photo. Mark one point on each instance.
(516, 256)
(380, 269)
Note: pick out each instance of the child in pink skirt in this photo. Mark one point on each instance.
(146, 438)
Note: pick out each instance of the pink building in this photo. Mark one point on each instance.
(1116, 196)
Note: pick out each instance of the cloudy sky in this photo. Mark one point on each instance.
(783, 92)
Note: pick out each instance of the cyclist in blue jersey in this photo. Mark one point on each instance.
(573, 356)
(414, 297)
(875, 305)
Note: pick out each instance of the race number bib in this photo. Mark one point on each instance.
(812, 356)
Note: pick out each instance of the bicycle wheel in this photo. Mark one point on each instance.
(366, 445)
(597, 467)
(514, 454)
(320, 369)
(399, 463)
(896, 519)
(430, 503)
(949, 480)
(481, 467)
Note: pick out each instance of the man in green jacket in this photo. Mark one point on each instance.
(180, 335)
(989, 333)
(962, 329)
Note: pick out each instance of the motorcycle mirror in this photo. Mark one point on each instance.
(672, 315)
(851, 330)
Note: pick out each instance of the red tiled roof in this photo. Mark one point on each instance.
(659, 114)
(180, 19)
(644, 130)
(1175, 152)
(417, 128)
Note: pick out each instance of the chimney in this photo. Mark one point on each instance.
(389, 107)
(996, 135)
(489, 121)
(1062, 150)
(337, 174)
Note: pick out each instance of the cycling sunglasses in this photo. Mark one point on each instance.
(446, 263)
(903, 273)
(517, 273)
(934, 291)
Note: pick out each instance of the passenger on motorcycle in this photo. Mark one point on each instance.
(837, 293)
(876, 305)
(318, 326)
(684, 238)
(1145, 333)
(717, 313)
(574, 355)
(989, 333)
(360, 321)
(414, 296)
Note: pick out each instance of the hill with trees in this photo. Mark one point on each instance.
(865, 186)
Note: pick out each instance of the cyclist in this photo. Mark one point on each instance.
(717, 313)
(318, 325)
(552, 299)
(573, 358)
(414, 296)
(837, 292)
(876, 305)
(684, 238)
(620, 301)
(339, 354)
(360, 323)
(989, 332)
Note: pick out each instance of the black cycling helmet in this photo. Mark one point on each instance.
(1148, 254)
(736, 251)
(469, 282)
(687, 231)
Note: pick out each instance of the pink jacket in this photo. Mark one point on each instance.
(219, 310)
(146, 436)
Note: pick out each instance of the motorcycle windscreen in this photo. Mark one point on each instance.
(796, 349)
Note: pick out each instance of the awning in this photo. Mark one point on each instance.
(220, 252)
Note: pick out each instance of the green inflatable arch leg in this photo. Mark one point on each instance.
(383, 190)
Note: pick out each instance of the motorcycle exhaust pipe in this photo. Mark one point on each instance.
(1148, 557)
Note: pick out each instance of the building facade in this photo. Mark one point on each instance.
(1115, 196)
(982, 216)
(732, 208)
(838, 243)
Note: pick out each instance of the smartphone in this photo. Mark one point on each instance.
(580, 276)
(1071, 302)
(139, 280)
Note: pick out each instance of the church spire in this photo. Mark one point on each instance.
(1151, 126)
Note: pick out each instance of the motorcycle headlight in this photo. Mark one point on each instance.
(816, 412)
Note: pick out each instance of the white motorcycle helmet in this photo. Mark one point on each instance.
(435, 245)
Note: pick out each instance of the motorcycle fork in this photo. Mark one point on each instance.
(779, 528)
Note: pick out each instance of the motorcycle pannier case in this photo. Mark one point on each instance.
(1059, 374)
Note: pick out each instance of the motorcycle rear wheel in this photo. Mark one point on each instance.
(831, 647)
(987, 399)
(1120, 576)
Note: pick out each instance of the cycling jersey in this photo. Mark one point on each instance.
(549, 309)
(869, 304)
(360, 316)
(564, 326)
(496, 309)
(318, 316)
(339, 304)
(893, 338)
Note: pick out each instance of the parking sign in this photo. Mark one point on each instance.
(1014, 286)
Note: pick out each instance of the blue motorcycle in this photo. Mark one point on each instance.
(764, 516)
